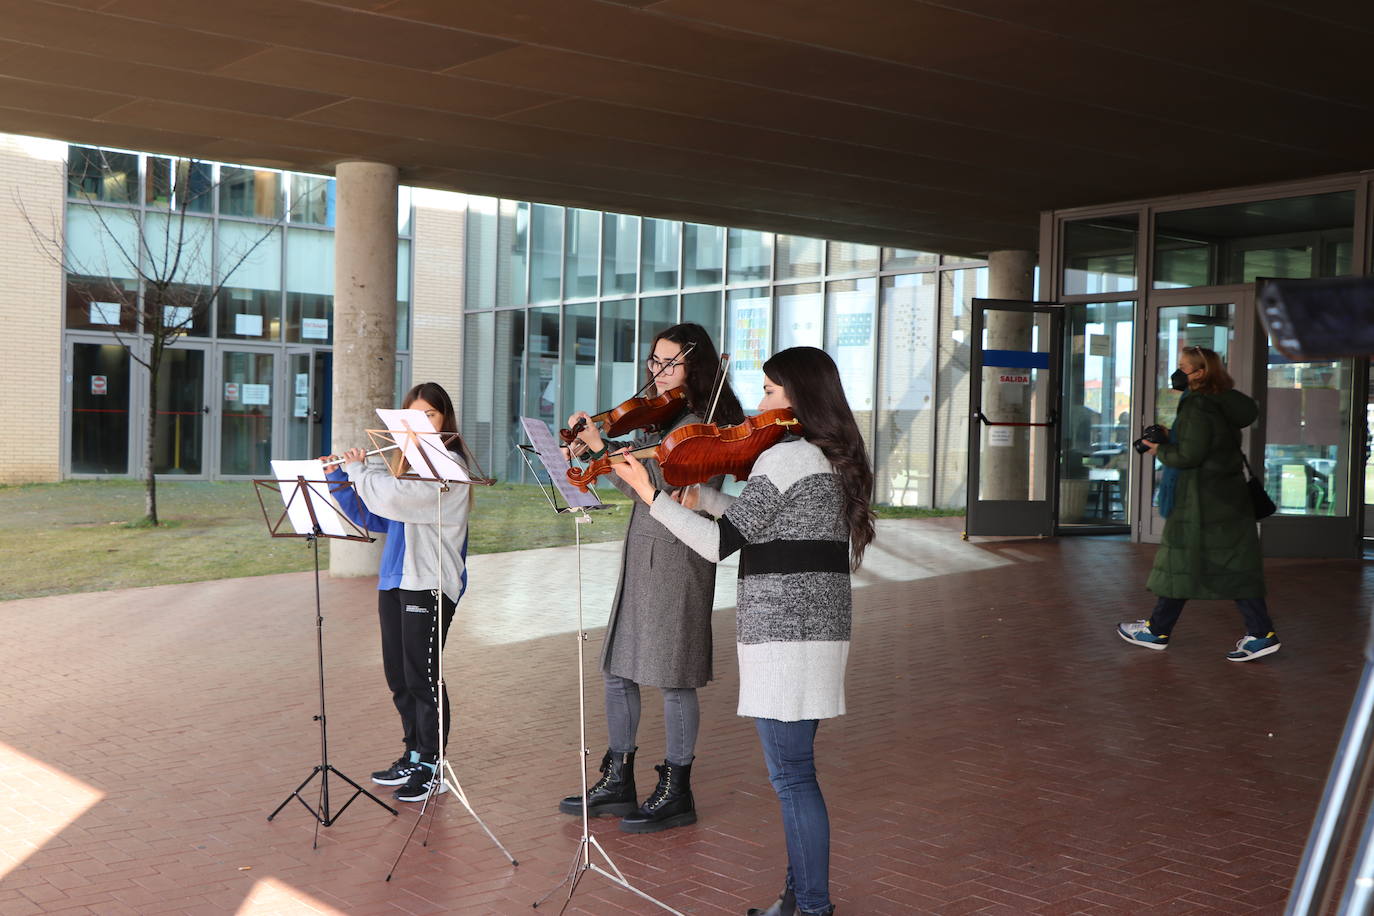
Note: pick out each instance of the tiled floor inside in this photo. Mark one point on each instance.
(1004, 752)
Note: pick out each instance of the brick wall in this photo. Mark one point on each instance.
(31, 346)
(437, 297)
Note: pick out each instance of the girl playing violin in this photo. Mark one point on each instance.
(659, 632)
(801, 526)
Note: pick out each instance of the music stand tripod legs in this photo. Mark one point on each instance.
(582, 857)
(320, 811)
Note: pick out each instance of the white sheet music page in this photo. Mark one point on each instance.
(326, 509)
(541, 437)
(424, 443)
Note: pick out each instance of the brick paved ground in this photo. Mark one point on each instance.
(1005, 752)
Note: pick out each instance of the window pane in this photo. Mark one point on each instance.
(908, 258)
(703, 255)
(479, 254)
(185, 307)
(478, 391)
(656, 313)
(250, 192)
(1307, 421)
(957, 290)
(312, 200)
(547, 258)
(619, 252)
(512, 245)
(100, 304)
(180, 184)
(579, 361)
(906, 391)
(580, 267)
(405, 214)
(619, 377)
(751, 255)
(1294, 237)
(100, 409)
(506, 386)
(403, 294)
(102, 242)
(246, 414)
(1099, 255)
(799, 258)
(541, 393)
(177, 243)
(658, 265)
(309, 286)
(849, 327)
(250, 301)
(801, 316)
(850, 258)
(180, 421)
(747, 321)
(95, 174)
(703, 309)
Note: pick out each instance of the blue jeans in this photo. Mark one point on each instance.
(789, 751)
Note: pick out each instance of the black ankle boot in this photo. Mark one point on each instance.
(612, 794)
(785, 905)
(669, 805)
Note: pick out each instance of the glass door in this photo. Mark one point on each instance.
(99, 382)
(308, 394)
(1014, 405)
(246, 385)
(1095, 458)
(1207, 323)
(181, 413)
(1314, 456)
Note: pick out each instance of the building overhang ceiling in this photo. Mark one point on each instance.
(943, 126)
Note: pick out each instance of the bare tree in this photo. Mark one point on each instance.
(165, 253)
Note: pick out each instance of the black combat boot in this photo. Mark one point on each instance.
(669, 805)
(612, 794)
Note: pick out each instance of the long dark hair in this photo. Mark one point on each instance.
(435, 396)
(812, 384)
(702, 366)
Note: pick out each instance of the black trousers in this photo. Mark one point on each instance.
(411, 664)
(1254, 610)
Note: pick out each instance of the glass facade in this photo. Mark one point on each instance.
(883, 314)
(248, 379)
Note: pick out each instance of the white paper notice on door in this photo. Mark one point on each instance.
(260, 395)
(1000, 436)
(248, 325)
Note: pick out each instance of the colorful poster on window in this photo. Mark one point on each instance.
(748, 347)
(909, 345)
(851, 337)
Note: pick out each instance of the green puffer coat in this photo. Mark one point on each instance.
(1210, 547)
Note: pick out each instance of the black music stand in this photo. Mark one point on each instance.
(313, 514)
(555, 468)
(425, 451)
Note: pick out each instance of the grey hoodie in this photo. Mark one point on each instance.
(418, 503)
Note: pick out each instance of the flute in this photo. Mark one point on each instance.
(335, 459)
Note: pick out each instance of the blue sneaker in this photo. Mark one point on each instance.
(1137, 633)
(1249, 648)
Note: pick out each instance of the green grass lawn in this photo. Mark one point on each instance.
(75, 536)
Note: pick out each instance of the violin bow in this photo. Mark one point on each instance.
(723, 371)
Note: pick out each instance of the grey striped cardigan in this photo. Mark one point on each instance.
(793, 610)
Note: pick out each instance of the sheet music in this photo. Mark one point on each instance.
(426, 443)
(327, 511)
(541, 437)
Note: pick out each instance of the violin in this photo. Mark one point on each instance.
(636, 413)
(696, 452)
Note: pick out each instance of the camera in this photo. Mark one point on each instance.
(1153, 433)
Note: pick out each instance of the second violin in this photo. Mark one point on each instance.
(696, 452)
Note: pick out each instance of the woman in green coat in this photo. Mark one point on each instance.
(1210, 547)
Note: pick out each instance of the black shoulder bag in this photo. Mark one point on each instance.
(1259, 500)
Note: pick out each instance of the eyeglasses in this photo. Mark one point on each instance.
(662, 365)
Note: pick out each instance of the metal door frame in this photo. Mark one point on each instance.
(1010, 518)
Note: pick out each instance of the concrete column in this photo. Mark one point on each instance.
(1005, 470)
(364, 323)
